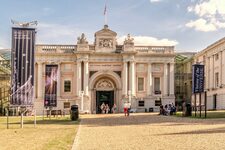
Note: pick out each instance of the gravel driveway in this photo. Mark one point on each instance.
(149, 131)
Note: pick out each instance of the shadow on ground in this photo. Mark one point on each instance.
(141, 119)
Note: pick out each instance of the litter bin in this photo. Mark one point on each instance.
(74, 112)
(151, 109)
(188, 110)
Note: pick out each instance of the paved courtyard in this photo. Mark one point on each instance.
(150, 132)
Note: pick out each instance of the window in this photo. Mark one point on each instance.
(157, 85)
(217, 79)
(141, 103)
(140, 84)
(158, 102)
(66, 104)
(67, 86)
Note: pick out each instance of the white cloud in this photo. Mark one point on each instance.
(201, 25)
(149, 41)
(57, 33)
(154, 1)
(211, 15)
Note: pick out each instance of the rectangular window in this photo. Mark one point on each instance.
(217, 79)
(141, 103)
(66, 104)
(157, 85)
(67, 86)
(140, 84)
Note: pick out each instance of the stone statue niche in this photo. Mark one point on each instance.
(82, 39)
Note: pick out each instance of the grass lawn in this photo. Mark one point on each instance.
(55, 134)
(210, 114)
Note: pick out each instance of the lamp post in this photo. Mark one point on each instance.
(82, 100)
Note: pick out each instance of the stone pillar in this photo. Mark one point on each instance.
(59, 81)
(125, 74)
(221, 66)
(149, 79)
(171, 78)
(39, 81)
(78, 77)
(132, 78)
(165, 79)
(86, 77)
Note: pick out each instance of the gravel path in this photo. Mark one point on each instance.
(149, 131)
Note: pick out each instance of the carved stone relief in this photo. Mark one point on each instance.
(105, 43)
(104, 84)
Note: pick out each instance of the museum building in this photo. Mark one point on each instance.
(90, 74)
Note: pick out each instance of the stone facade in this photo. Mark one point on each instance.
(213, 59)
(140, 74)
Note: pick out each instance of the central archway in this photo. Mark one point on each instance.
(105, 86)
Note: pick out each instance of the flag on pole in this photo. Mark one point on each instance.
(105, 10)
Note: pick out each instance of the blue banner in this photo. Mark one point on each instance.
(197, 78)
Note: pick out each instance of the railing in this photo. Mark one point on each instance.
(56, 48)
(155, 49)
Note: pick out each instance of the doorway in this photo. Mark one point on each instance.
(106, 97)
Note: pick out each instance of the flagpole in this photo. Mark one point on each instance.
(105, 12)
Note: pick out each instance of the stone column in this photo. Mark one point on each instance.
(165, 79)
(86, 77)
(39, 81)
(132, 78)
(59, 81)
(171, 78)
(78, 77)
(125, 73)
(149, 79)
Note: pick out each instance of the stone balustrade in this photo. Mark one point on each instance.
(155, 49)
(55, 48)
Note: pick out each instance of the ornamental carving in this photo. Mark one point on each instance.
(106, 43)
(82, 39)
(104, 84)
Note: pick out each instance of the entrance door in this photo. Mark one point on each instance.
(106, 97)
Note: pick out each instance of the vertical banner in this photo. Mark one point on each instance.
(51, 85)
(23, 44)
(197, 78)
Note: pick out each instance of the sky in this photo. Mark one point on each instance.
(189, 25)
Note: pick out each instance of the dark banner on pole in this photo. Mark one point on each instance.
(197, 78)
(51, 85)
(23, 43)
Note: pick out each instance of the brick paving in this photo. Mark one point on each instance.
(149, 131)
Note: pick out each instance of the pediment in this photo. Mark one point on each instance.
(106, 32)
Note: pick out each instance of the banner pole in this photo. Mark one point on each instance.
(35, 119)
(7, 118)
(200, 103)
(195, 105)
(21, 122)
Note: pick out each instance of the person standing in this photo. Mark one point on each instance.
(106, 108)
(128, 108)
(114, 109)
(125, 108)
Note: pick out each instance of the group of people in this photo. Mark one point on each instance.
(105, 108)
(167, 110)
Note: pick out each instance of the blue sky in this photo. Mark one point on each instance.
(191, 25)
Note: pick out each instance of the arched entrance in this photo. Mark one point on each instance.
(105, 86)
(104, 94)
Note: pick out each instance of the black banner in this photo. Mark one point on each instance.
(197, 78)
(23, 43)
(51, 85)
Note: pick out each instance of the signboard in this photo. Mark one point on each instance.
(23, 43)
(197, 78)
(51, 85)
